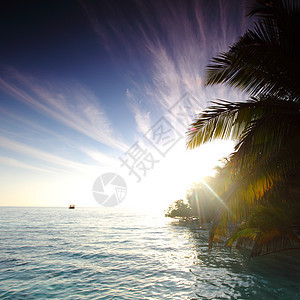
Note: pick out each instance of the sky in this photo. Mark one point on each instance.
(95, 87)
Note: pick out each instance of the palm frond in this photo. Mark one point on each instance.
(223, 120)
(268, 229)
(264, 60)
(227, 120)
(249, 233)
(275, 9)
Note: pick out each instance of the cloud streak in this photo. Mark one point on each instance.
(99, 156)
(54, 160)
(33, 128)
(178, 38)
(12, 162)
(71, 105)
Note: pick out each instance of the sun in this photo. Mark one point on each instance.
(193, 165)
(176, 173)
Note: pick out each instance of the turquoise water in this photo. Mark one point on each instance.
(101, 253)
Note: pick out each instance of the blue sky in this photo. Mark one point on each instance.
(83, 81)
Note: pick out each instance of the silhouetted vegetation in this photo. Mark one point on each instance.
(179, 209)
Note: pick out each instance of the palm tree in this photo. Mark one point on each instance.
(264, 63)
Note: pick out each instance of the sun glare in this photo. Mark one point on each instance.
(177, 172)
(201, 162)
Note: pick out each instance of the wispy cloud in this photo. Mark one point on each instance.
(99, 156)
(57, 163)
(31, 126)
(70, 104)
(34, 128)
(193, 32)
(142, 117)
(178, 38)
(12, 162)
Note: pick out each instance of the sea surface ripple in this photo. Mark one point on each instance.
(106, 253)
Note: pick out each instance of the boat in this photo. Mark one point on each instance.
(72, 206)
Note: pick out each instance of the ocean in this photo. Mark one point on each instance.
(114, 253)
